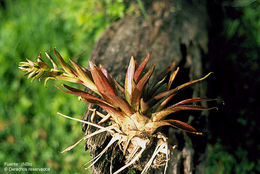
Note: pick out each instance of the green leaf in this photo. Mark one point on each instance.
(64, 65)
(84, 77)
(55, 66)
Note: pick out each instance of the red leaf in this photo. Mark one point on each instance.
(88, 97)
(135, 100)
(193, 100)
(84, 77)
(101, 82)
(178, 88)
(115, 114)
(184, 101)
(165, 72)
(109, 78)
(166, 101)
(141, 67)
(152, 126)
(64, 65)
(129, 80)
(121, 103)
(183, 126)
(161, 114)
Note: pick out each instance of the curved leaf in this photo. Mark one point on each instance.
(178, 88)
(88, 97)
(64, 65)
(101, 82)
(129, 80)
(115, 114)
(183, 126)
(117, 101)
(152, 126)
(161, 114)
(141, 67)
(84, 77)
(165, 72)
(172, 77)
(190, 100)
(109, 78)
(55, 66)
(136, 96)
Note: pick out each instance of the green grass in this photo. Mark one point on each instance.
(30, 130)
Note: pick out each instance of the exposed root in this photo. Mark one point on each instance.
(96, 158)
(86, 137)
(161, 147)
(93, 114)
(74, 145)
(133, 161)
(86, 122)
(104, 117)
(127, 143)
(132, 146)
(131, 155)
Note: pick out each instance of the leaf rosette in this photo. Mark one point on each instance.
(135, 111)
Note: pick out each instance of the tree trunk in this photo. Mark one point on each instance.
(171, 31)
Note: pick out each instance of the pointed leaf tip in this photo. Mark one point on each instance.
(84, 77)
(101, 82)
(109, 78)
(129, 80)
(172, 77)
(183, 126)
(180, 87)
(141, 67)
(206, 76)
(64, 65)
(138, 90)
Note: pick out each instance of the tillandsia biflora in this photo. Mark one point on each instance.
(134, 111)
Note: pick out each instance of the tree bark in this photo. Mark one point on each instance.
(172, 31)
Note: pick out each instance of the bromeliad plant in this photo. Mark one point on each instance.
(134, 111)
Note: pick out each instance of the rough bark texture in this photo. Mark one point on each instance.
(173, 31)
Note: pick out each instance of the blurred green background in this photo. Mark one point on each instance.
(31, 131)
